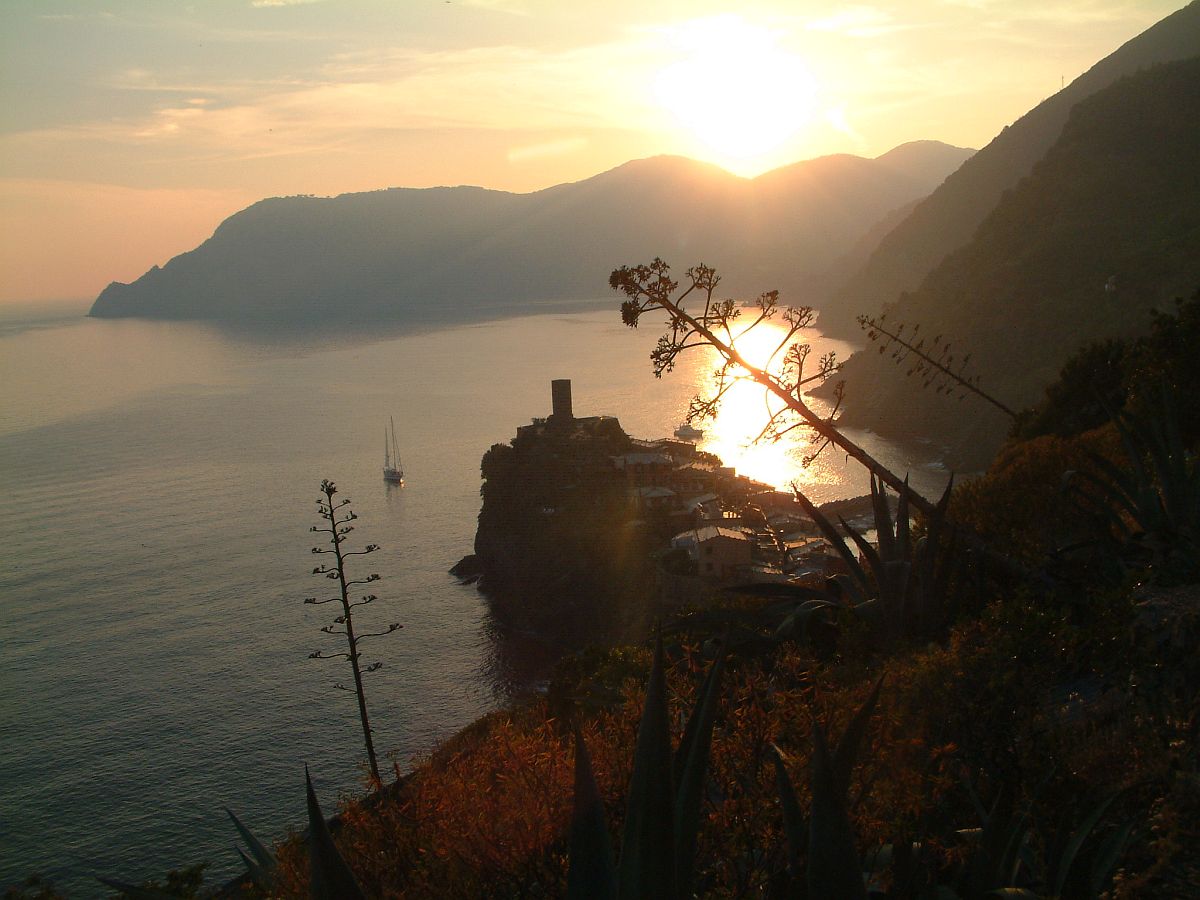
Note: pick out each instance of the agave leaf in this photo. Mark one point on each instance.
(695, 720)
(257, 873)
(992, 859)
(647, 863)
(695, 768)
(870, 553)
(330, 878)
(943, 503)
(846, 753)
(591, 875)
(775, 590)
(796, 623)
(795, 828)
(885, 535)
(833, 864)
(1076, 842)
(834, 537)
(136, 892)
(261, 862)
(903, 527)
(849, 593)
(1106, 857)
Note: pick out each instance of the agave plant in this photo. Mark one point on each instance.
(1148, 511)
(662, 818)
(905, 583)
(1002, 861)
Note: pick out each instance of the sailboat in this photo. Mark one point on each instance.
(393, 471)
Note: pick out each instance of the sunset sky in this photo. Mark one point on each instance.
(129, 130)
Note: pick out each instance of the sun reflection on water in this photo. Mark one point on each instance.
(746, 410)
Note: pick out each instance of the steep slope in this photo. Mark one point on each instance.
(948, 218)
(442, 254)
(1105, 228)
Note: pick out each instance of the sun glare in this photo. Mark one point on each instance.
(747, 408)
(738, 93)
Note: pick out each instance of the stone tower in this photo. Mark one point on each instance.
(560, 396)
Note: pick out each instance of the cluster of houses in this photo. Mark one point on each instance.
(732, 528)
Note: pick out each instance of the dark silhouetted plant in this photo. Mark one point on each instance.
(662, 816)
(1148, 510)
(934, 364)
(338, 518)
(261, 864)
(650, 287)
(180, 884)
(329, 876)
(906, 582)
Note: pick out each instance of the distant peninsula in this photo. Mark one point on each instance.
(447, 254)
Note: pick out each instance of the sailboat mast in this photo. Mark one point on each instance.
(387, 451)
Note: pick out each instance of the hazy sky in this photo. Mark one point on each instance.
(130, 128)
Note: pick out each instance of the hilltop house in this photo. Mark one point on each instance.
(718, 551)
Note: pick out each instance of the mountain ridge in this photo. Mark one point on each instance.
(417, 253)
(1105, 229)
(949, 216)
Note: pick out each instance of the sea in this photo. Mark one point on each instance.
(158, 481)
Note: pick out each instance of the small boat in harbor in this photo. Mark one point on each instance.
(393, 471)
(688, 432)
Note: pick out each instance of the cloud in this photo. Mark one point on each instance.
(511, 7)
(263, 4)
(547, 149)
(857, 21)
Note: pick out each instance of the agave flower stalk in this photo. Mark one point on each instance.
(338, 518)
(784, 379)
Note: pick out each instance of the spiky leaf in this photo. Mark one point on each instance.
(693, 754)
(330, 878)
(1076, 843)
(647, 864)
(833, 865)
(846, 754)
(591, 875)
(261, 861)
(795, 828)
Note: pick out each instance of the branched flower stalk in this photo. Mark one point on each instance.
(338, 518)
(650, 287)
(933, 364)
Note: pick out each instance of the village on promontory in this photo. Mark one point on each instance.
(576, 512)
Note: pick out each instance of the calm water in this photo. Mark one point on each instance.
(159, 480)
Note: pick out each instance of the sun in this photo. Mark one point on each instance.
(740, 94)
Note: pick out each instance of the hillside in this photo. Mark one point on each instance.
(1105, 229)
(947, 219)
(441, 254)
